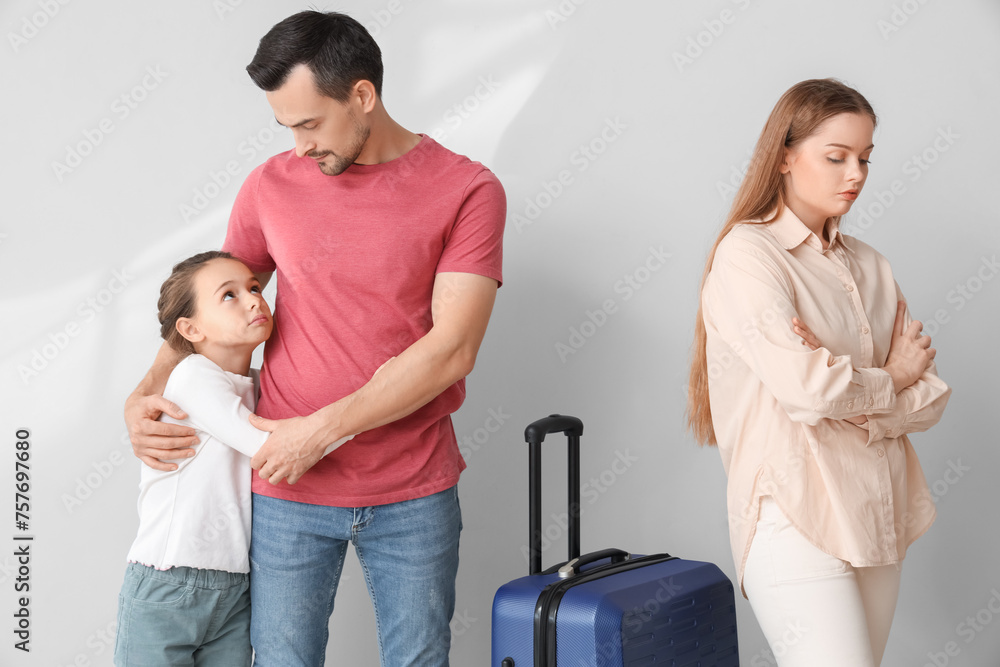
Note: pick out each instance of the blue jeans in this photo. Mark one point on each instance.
(408, 552)
(183, 616)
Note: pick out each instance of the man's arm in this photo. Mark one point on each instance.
(460, 307)
(152, 439)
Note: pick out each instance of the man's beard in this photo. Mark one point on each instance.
(341, 162)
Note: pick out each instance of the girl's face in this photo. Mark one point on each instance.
(824, 174)
(230, 312)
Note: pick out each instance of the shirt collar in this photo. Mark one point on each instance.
(792, 232)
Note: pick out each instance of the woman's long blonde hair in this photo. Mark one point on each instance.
(797, 116)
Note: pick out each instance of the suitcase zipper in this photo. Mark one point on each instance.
(548, 603)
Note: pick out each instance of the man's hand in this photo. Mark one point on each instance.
(293, 447)
(154, 440)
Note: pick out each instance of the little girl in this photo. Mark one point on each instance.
(186, 595)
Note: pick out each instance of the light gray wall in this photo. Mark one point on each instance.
(84, 249)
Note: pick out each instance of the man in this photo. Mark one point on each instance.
(386, 245)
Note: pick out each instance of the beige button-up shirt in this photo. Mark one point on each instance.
(778, 408)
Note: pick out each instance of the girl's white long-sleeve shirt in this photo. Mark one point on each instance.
(199, 514)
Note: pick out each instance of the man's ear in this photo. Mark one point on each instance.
(364, 92)
(187, 328)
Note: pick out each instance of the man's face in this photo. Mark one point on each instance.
(332, 133)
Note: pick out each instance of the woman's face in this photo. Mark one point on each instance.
(824, 174)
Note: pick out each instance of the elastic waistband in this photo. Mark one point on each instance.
(194, 576)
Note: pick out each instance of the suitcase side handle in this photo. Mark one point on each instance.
(535, 434)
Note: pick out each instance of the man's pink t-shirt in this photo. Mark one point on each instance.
(355, 257)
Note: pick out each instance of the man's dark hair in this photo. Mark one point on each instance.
(336, 48)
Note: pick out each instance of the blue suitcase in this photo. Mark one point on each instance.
(608, 608)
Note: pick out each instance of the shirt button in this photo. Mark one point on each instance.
(881, 453)
(850, 405)
(850, 288)
(865, 330)
(871, 402)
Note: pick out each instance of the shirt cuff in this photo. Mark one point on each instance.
(875, 433)
(888, 425)
(880, 392)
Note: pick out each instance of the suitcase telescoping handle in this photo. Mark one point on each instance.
(535, 434)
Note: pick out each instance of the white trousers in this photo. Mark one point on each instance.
(816, 610)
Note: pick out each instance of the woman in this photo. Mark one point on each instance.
(825, 492)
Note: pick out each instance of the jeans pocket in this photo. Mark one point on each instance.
(154, 592)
